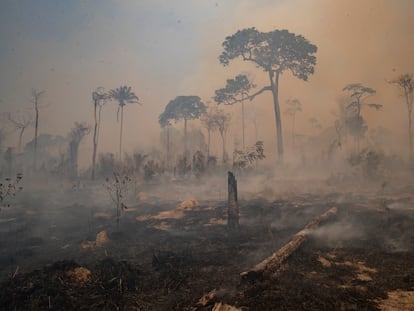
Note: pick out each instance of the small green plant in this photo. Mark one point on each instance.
(9, 188)
(117, 186)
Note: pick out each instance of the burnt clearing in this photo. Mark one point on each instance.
(179, 255)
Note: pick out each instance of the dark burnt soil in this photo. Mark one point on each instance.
(153, 263)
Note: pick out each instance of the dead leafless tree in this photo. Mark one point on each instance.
(35, 100)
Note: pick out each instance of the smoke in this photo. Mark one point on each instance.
(164, 50)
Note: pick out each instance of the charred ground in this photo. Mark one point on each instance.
(179, 255)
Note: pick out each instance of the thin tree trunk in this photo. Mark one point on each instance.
(73, 154)
(223, 138)
(256, 130)
(244, 146)
(410, 137)
(168, 147)
(36, 133)
(208, 143)
(293, 130)
(95, 143)
(120, 133)
(19, 145)
(99, 123)
(275, 91)
(185, 138)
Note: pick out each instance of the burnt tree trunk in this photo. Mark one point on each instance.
(233, 208)
(272, 264)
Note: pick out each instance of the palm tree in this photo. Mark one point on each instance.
(123, 95)
(99, 98)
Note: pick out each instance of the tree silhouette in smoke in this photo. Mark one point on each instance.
(183, 108)
(123, 95)
(236, 91)
(274, 52)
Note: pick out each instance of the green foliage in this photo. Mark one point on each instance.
(236, 90)
(99, 97)
(358, 93)
(243, 159)
(9, 188)
(406, 83)
(123, 95)
(182, 107)
(352, 118)
(273, 51)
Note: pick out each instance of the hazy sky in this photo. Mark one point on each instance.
(168, 48)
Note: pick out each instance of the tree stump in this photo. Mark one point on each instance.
(233, 205)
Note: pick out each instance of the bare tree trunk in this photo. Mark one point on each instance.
(36, 133)
(233, 205)
(410, 136)
(244, 146)
(168, 147)
(275, 91)
(208, 143)
(99, 123)
(95, 142)
(120, 133)
(293, 130)
(73, 156)
(19, 145)
(185, 138)
(223, 139)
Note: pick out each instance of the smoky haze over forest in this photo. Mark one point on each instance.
(164, 49)
(206, 155)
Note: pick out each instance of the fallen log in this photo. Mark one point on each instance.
(271, 264)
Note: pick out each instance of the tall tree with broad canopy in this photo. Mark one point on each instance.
(123, 95)
(406, 83)
(274, 52)
(99, 97)
(236, 91)
(183, 108)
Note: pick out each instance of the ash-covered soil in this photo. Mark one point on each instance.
(179, 255)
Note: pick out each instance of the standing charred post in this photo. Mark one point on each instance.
(233, 208)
